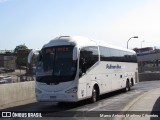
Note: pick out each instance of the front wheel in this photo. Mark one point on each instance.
(95, 95)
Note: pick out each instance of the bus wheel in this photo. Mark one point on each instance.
(132, 82)
(128, 88)
(95, 95)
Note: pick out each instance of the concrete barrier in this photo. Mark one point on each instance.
(16, 92)
(149, 76)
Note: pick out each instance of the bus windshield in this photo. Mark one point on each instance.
(57, 60)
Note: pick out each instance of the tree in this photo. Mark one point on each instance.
(22, 52)
(20, 48)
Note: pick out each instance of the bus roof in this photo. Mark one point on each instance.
(81, 41)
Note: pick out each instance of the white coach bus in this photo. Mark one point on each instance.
(73, 68)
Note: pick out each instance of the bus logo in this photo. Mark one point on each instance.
(110, 66)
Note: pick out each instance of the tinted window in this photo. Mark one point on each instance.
(104, 53)
(115, 54)
(58, 62)
(131, 57)
(88, 56)
(110, 54)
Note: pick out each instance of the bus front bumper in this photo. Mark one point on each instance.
(56, 97)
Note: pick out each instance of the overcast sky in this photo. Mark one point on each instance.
(36, 22)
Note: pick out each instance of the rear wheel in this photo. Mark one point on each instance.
(132, 82)
(127, 88)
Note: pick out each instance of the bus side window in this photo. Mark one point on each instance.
(88, 57)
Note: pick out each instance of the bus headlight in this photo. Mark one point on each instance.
(72, 90)
(38, 91)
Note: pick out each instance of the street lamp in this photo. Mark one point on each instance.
(131, 38)
(141, 43)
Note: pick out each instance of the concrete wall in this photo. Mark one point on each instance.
(149, 76)
(149, 57)
(15, 92)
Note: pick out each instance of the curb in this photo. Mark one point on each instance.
(132, 103)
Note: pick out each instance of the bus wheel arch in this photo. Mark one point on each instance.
(95, 93)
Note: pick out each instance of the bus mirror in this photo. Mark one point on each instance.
(31, 54)
(75, 53)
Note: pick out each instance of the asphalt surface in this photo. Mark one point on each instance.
(115, 102)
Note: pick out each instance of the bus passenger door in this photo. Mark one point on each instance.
(82, 87)
(82, 78)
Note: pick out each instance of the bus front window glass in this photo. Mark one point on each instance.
(64, 65)
(48, 60)
(39, 64)
(58, 64)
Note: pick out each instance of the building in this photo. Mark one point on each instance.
(7, 60)
(148, 59)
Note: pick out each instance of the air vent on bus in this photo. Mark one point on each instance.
(63, 37)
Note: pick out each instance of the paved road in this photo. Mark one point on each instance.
(114, 101)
